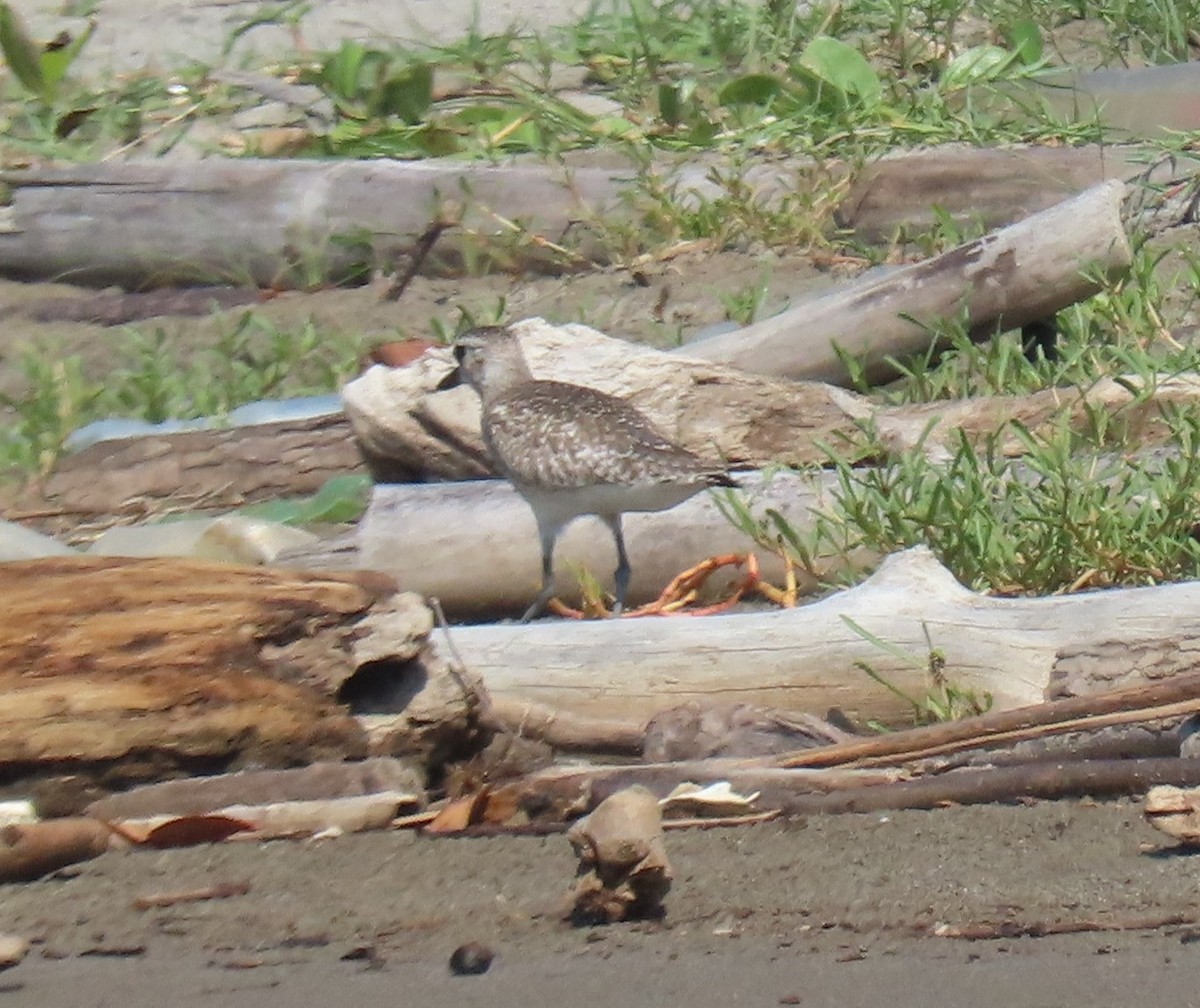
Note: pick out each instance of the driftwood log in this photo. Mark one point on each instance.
(1008, 278)
(474, 545)
(286, 223)
(1018, 649)
(407, 419)
(131, 670)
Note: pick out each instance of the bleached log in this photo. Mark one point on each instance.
(403, 416)
(474, 545)
(804, 659)
(1007, 278)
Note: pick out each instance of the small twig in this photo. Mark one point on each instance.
(476, 696)
(222, 890)
(710, 822)
(449, 215)
(141, 138)
(1176, 696)
(1037, 929)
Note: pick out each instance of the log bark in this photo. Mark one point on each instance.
(130, 670)
(294, 223)
(804, 659)
(903, 193)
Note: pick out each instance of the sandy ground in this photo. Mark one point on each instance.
(130, 33)
(825, 911)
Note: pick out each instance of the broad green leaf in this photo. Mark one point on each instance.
(750, 89)
(842, 66)
(616, 126)
(341, 70)
(1024, 38)
(977, 65)
(407, 93)
(340, 499)
(669, 104)
(57, 61)
(23, 55)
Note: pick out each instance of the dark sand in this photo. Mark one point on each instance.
(833, 911)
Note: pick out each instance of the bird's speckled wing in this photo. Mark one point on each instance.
(556, 435)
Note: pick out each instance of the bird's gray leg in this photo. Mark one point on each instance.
(547, 534)
(621, 576)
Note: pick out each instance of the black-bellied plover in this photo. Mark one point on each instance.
(570, 450)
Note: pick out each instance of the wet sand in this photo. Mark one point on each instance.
(836, 910)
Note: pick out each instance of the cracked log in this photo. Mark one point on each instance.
(130, 670)
(1023, 273)
(1017, 649)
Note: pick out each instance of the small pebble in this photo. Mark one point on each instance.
(471, 959)
(13, 949)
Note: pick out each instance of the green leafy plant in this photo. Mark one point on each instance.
(41, 69)
(152, 379)
(340, 499)
(944, 700)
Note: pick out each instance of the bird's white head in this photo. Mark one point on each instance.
(490, 360)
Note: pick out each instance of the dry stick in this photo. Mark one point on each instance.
(448, 217)
(222, 890)
(1039, 929)
(1099, 778)
(713, 822)
(1163, 712)
(1178, 695)
(566, 730)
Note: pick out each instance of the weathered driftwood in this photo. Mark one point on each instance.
(208, 470)
(404, 416)
(559, 793)
(405, 420)
(904, 193)
(202, 795)
(1100, 706)
(1020, 274)
(564, 792)
(31, 850)
(1065, 779)
(804, 659)
(1175, 811)
(134, 669)
(623, 869)
(566, 731)
(290, 223)
(474, 545)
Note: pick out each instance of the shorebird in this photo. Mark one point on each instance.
(570, 450)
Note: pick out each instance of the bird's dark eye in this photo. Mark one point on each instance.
(460, 353)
